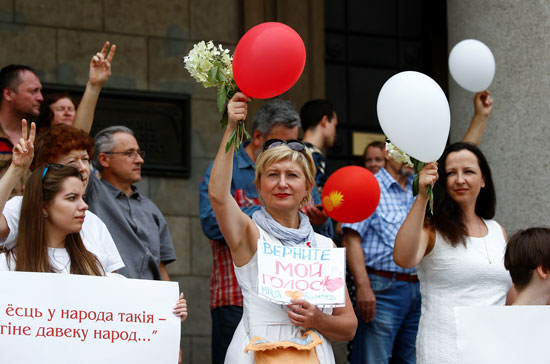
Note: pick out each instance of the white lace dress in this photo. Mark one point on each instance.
(266, 319)
(458, 276)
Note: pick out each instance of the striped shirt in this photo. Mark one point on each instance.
(378, 232)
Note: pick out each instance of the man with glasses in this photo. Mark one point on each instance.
(138, 228)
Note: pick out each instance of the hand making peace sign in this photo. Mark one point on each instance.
(23, 151)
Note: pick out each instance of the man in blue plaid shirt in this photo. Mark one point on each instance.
(388, 296)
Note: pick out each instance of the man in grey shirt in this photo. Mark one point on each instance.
(138, 228)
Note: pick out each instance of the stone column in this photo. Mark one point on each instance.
(516, 141)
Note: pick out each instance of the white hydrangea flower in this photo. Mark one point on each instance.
(203, 57)
(398, 155)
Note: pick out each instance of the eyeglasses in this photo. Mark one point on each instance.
(132, 153)
(293, 144)
(51, 166)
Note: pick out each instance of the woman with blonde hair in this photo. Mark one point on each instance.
(284, 179)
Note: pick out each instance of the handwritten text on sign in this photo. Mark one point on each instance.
(63, 317)
(316, 275)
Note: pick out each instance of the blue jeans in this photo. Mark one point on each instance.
(392, 333)
(225, 320)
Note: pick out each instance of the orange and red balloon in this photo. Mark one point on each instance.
(351, 194)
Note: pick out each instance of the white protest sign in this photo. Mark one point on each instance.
(60, 318)
(503, 334)
(314, 274)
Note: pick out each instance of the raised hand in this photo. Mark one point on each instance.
(23, 151)
(237, 107)
(100, 65)
(483, 103)
(180, 309)
(427, 177)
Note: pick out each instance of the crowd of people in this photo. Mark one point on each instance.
(65, 215)
(69, 204)
(409, 268)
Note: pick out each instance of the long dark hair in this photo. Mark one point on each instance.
(31, 250)
(448, 218)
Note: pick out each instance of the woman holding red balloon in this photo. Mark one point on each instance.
(458, 251)
(284, 179)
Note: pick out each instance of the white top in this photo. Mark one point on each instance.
(94, 234)
(266, 319)
(59, 259)
(471, 275)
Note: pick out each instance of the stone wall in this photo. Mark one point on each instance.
(59, 37)
(516, 138)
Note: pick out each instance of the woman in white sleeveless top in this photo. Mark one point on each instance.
(458, 251)
(284, 179)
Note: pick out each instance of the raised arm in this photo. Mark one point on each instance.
(483, 104)
(240, 233)
(413, 239)
(23, 153)
(100, 71)
(209, 223)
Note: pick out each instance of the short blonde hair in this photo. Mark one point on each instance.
(281, 153)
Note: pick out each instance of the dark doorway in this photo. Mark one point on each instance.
(367, 42)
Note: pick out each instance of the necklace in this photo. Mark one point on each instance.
(486, 254)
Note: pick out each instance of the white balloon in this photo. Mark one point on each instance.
(472, 65)
(414, 114)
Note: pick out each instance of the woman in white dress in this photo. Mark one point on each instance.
(458, 251)
(284, 179)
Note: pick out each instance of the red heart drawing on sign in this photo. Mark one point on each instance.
(333, 284)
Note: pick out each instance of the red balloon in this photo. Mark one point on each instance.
(268, 60)
(351, 194)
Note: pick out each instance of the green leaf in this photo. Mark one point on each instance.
(430, 193)
(212, 74)
(231, 140)
(224, 120)
(415, 186)
(220, 76)
(222, 98)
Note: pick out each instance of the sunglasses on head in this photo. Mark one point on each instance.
(51, 166)
(293, 144)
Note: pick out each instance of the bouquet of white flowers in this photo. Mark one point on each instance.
(212, 67)
(400, 156)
